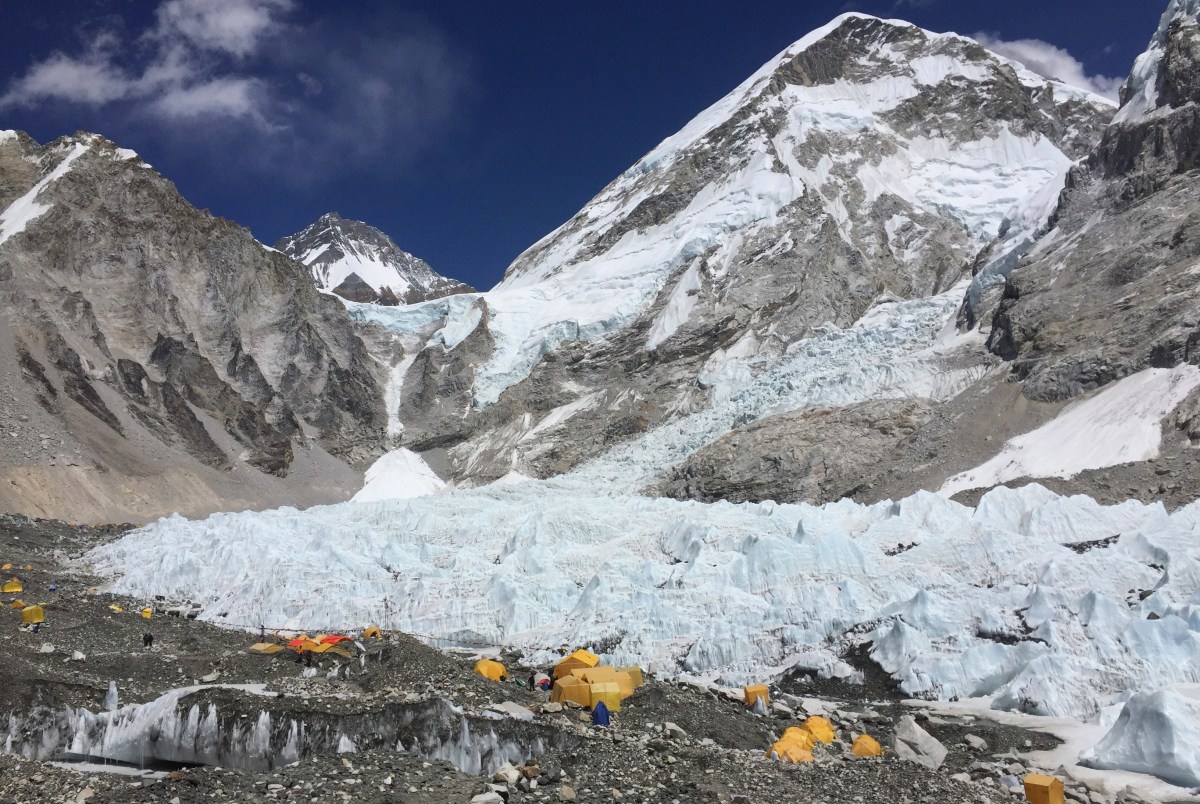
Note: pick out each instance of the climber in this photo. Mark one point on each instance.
(148, 640)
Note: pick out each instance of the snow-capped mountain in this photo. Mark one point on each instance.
(870, 160)
(360, 263)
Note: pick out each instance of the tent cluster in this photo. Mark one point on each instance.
(797, 743)
(321, 643)
(581, 679)
(30, 615)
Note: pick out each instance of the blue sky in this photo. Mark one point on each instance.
(466, 130)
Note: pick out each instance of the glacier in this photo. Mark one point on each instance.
(1054, 605)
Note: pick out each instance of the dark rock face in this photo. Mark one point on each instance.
(809, 456)
(1110, 289)
(146, 313)
(362, 264)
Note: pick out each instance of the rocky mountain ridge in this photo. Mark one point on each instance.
(157, 348)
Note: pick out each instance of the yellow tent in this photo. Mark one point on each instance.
(794, 746)
(571, 689)
(33, 614)
(372, 632)
(820, 728)
(755, 691)
(866, 746)
(147, 613)
(491, 670)
(265, 648)
(607, 691)
(18, 604)
(13, 587)
(606, 675)
(580, 659)
(635, 675)
(29, 568)
(1041, 789)
(116, 608)
(6, 568)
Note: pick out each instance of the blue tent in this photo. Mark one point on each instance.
(600, 715)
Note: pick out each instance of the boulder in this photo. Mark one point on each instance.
(917, 745)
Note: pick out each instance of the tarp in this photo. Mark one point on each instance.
(298, 641)
(333, 639)
(756, 691)
(372, 632)
(542, 681)
(578, 660)
(608, 693)
(33, 614)
(12, 587)
(571, 689)
(491, 670)
(867, 746)
(600, 715)
(265, 648)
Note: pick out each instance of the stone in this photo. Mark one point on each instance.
(975, 742)
(566, 794)
(551, 708)
(674, 731)
(513, 710)
(917, 745)
(489, 797)
(507, 774)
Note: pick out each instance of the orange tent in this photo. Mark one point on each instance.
(332, 639)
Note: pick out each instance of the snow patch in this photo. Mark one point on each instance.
(1120, 424)
(400, 474)
(28, 208)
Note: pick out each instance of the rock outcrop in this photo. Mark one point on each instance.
(1110, 288)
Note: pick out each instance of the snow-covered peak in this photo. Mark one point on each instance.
(361, 263)
(1148, 88)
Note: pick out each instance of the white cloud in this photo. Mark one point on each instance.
(184, 71)
(229, 26)
(244, 68)
(1051, 61)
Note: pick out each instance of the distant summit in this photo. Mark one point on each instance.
(360, 263)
